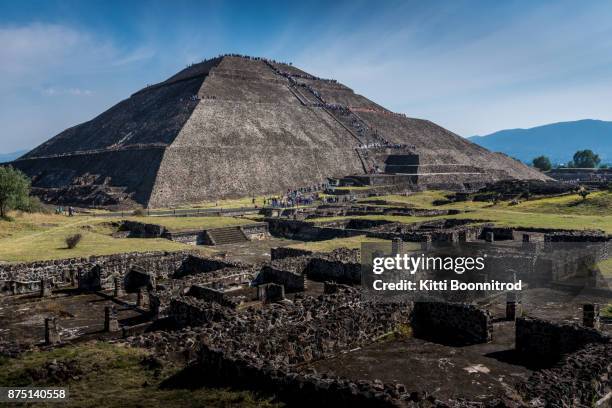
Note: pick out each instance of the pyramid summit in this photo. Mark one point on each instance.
(234, 126)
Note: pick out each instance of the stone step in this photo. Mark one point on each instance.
(227, 235)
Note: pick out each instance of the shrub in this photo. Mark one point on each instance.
(34, 205)
(542, 163)
(586, 159)
(73, 240)
(583, 192)
(14, 189)
(139, 212)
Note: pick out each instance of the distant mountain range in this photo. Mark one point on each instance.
(7, 157)
(558, 141)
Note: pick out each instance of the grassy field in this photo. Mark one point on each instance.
(597, 203)
(190, 223)
(568, 212)
(31, 237)
(423, 199)
(107, 375)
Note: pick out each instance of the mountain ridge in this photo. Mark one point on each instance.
(559, 141)
(8, 157)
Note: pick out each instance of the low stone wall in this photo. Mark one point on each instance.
(549, 340)
(255, 232)
(451, 323)
(576, 236)
(138, 278)
(306, 231)
(159, 301)
(321, 269)
(93, 273)
(137, 229)
(419, 232)
(549, 234)
(195, 264)
(293, 281)
(341, 265)
(580, 379)
(306, 330)
(230, 276)
(190, 311)
(210, 295)
(295, 388)
(286, 252)
(187, 237)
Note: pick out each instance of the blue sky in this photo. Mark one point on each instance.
(472, 66)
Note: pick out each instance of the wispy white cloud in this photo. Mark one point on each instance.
(33, 54)
(52, 91)
(137, 55)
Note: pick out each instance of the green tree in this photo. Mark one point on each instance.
(585, 159)
(542, 163)
(14, 190)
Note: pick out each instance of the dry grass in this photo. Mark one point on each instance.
(567, 212)
(113, 376)
(33, 237)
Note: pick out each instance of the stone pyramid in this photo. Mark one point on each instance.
(235, 126)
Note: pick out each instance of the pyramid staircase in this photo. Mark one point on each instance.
(227, 235)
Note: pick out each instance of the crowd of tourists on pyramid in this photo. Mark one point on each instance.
(385, 145)
(303, 196)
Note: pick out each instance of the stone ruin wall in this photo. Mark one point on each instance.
(287, 252)
(255, 232)
(305, 231)
(321, 269)
(454, 323)
(193, 265)
(292, 281)
(550, 340)
(295, 387)
(341, 265)
(288, 334)
(579, 379)
(65, 272)
(210, 295)
(136, 229)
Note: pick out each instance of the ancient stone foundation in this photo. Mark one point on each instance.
(549, 341)
(52, 335)
(111, 324)
(93, 273)
(270, 292)
(298, 389)
(451, 323)
(210, 295)
(291, 281)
